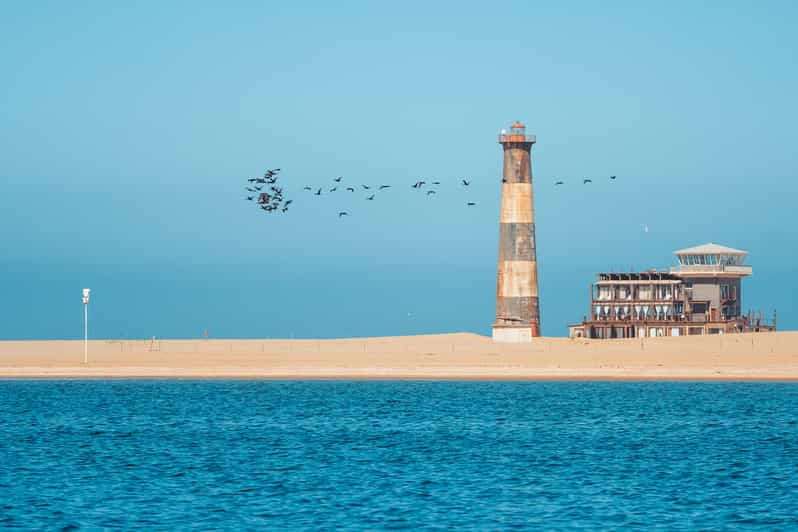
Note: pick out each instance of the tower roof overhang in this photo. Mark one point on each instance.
(710, 249)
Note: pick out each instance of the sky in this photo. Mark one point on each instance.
(127, 131)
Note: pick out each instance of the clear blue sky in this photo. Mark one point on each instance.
(126, 131)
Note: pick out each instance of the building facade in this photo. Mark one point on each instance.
(702, 295)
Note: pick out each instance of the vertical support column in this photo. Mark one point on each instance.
(517, 304)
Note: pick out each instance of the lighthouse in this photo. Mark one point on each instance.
(517, 304)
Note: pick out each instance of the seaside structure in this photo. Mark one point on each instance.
(517, 304)
(702, 295)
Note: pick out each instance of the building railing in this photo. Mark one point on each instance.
(712, 268)
(509, 137)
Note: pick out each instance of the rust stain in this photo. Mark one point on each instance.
(518, 279)
(517, 203)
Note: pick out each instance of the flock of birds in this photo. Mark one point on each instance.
(371, 190)
(267, 193)
(272, 199)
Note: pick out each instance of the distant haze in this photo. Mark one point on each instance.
(127, 131)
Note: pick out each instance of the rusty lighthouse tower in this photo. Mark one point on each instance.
(517, 306)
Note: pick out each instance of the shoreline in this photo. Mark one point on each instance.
(767, 357)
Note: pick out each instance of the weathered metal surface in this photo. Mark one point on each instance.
(517, 164)
(517, 204)
(517, 242)
(519, 278)
(516, 311)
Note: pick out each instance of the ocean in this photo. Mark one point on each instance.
(231, 454)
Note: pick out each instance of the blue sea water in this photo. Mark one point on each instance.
(320, 454)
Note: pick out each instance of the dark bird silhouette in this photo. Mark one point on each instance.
(436, 182)
(333, 189)
(338, 179)
(419, 184)
(557, 183)
(289, 202)
(612, 177)
(252, 179)
(307, 188)
(430, 192)
(264, 198)
(350, 189)
(586, 180)
(384, 186)
(370, 197)
(259, 188)
(466, 183)
(284, 209)
(250, 198)
(343, 213)
(365, 187)
(317, 193)
(250, 189)
(471, 203)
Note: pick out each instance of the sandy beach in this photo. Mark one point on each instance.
(447, 356)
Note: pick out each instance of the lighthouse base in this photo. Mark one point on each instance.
(514, 335)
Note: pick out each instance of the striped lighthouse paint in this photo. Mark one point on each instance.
(517, 305)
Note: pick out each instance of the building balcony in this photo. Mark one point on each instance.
(712, 269)
(509, 137)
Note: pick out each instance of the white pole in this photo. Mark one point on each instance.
(86, 293)
(86, 333)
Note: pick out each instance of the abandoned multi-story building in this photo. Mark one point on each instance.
(702, 295)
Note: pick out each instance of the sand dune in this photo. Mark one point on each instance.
(449, 356)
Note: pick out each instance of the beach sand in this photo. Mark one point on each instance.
(763, 356)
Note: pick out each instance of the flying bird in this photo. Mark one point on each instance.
(365, 187)
(317, 193)
(350, 189)
(436, 182)
(613, 177)
(557, 183)
(333, 189)
(289, 202)
(430, 192)
(343, 213)
(250, 198)
(284, 209)
(338, 179)
(585, 181)
(471, 203)
(384, 186)
(370, 197)
(307, 188)
(466, 183)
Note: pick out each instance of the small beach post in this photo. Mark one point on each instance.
(86, 292)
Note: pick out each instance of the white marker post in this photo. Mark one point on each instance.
(86, 292)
